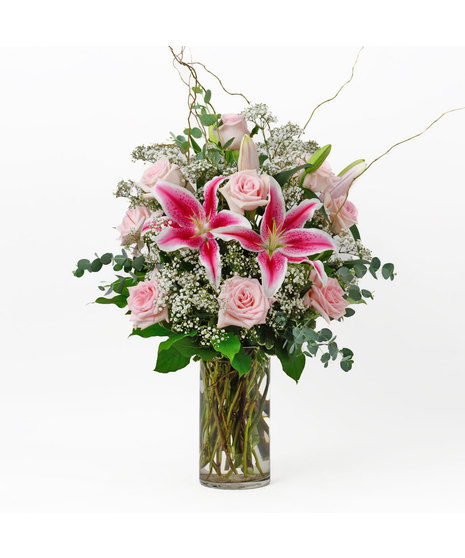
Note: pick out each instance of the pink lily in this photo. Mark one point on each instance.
(282, 239)
(193, 225)
(346, 178)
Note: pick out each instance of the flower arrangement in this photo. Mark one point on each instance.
(240, 241)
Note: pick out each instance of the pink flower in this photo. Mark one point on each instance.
(234, 126)
(282, 238)
(327, 300)
(242, 303)
(144, 304)
(248, 155)
(162, 169)
(156, 223)
(193, 225)
(344, 181)
(321, 180)
(341, 219)
(131, 226)
(246, 190)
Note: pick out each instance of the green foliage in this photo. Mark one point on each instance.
(229, 346)
(387, 271)
(208, 119)
(293, 365)
(283, 176)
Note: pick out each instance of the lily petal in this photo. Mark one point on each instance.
(177, 203)
(228, 218)
(173, 238)
(320, 271)
(210, 257)
(344, 182)
(248, 156)
(273, 271)
(305, 242)
(211, 201)
(250, 240)
(275, 210)
(298, 216)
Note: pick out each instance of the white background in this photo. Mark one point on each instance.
(86, 426)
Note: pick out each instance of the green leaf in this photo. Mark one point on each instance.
(155, 330)
(345, 274)
(83, 264)
(360, 270)
(283, 176)
(188, 347)
(374, 266)
(138, 263)
(196, 133)
(333, 350)
(78, 272)
(208, 119)
(349, 312)
(242, 362)
(318, 158)
(229, 346)
(387, 270)
(355, 232)
(106, 258)
(366, 294)
(170, 360)
(354, 293)
(325, 358)
(228, 143)
(207, 97)
(343, 171)
(346, 365)
(293, 365)
(255, 130)
(119, 300)
(325, 334)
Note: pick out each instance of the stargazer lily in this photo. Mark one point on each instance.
(193, 225)
(282, 239)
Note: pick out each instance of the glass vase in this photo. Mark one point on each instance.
(234, 423)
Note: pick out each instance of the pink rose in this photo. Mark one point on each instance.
(328, 301)
(162, 169)
(146, 305)
(132, 224)
(242, 303)
(234, 126)
(343, 219)
(246, 190)
(321, 180)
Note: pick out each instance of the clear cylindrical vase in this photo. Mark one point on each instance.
(234, 423)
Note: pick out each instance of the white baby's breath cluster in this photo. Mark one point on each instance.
(346, 248)
(152, 153)
(240, 261)
(260, 115)
(289, 296)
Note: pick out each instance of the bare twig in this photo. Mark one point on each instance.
(337, 93)
(220, 82)
(390, 149)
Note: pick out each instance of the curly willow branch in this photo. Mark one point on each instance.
(338, 91)
(220, 82)
(390, 149)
